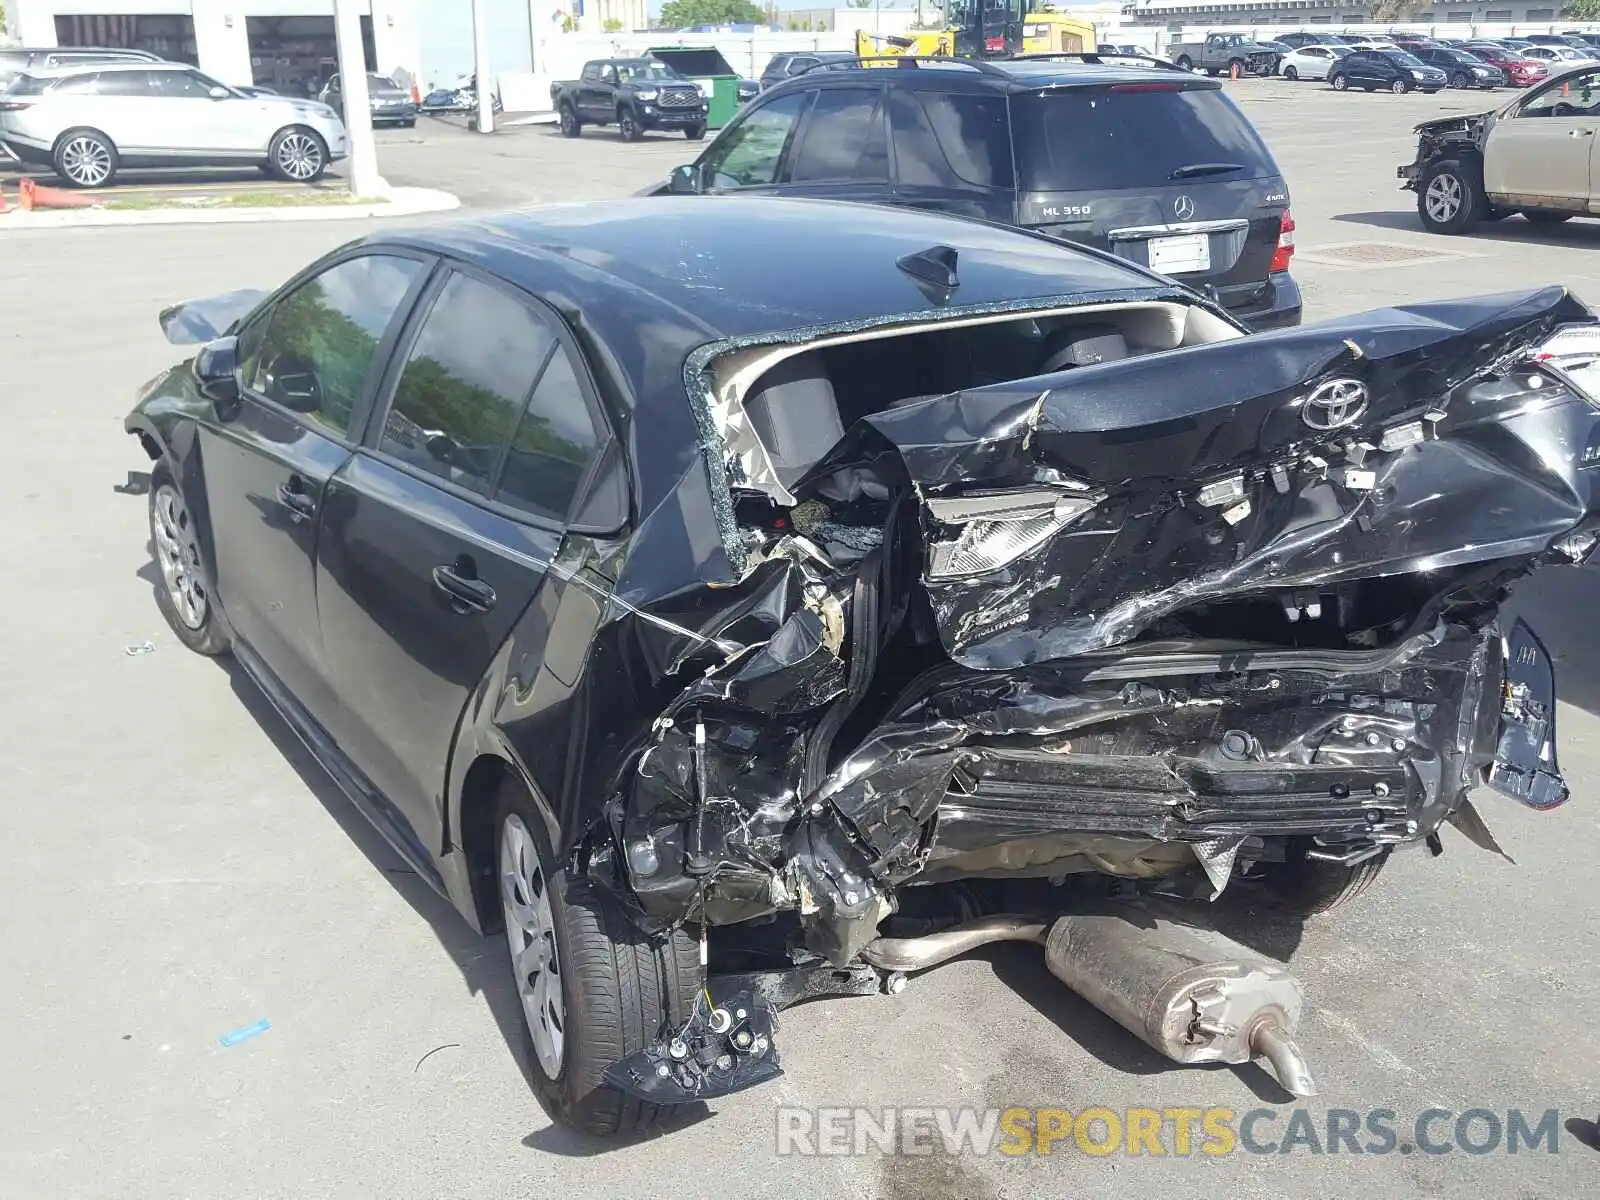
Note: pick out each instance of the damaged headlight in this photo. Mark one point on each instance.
(996, 528)
(1575, 352)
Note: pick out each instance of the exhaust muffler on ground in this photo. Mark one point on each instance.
(1191, 993)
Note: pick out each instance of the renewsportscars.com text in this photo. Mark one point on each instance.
(1164, 1132)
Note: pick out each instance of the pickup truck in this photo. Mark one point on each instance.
(635, 94)
(1221, 52)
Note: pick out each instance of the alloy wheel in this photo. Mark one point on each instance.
(531, 936)
(299, 156)
(86, 161)
(1443, 198)
(178, 556)
(1399, 87)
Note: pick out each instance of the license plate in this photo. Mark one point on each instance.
(1180, 255)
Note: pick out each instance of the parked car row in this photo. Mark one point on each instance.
(1483, 63)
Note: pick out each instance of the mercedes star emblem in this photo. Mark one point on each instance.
(1335, 404)
(1183, 208)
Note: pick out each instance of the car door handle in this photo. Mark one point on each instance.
(293, 496)
(467, 593)
(1580, 133)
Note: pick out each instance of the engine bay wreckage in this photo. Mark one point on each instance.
(1184, 610)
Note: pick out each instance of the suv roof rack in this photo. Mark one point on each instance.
(1095, 58)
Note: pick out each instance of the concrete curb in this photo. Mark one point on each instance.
(402, 202)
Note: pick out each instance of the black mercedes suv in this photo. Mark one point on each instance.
(1149, 162)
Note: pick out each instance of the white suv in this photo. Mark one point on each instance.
(88, 122)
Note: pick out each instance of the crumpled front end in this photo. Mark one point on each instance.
(1163, 618)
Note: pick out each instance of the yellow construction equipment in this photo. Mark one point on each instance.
(984, 29)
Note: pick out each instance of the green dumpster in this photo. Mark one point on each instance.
(706, 66)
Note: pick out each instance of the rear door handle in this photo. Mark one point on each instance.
(466, 591)
(293, 496)
(1580, 133)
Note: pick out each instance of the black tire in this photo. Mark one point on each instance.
(183, 594)
(571, 126)
(297, 154)
(411, 124)
(1400, 87)
(1185, 62)
(1460, 80)
(1236, 64)
(1307, 886)
(621, 990)
(85, 158)
(628, 127)
(1339, 83)
(695, 133)
(1543, 217)
(1472, 204)
(1291, 74)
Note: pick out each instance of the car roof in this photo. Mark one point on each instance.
(721, 261)
(1011, 75)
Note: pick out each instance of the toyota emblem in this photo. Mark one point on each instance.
(1335, 404)
(1183, 208)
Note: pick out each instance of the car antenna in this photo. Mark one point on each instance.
(936, 265)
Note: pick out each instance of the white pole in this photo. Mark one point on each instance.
(480, 66)
(363, 160)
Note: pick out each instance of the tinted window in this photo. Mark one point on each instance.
(591, 72)
(185, 85)
(465, 381)
(801, 64)
(843, 138)
(29, 85)
(1401, 58)
(951, 140)
(553, 445)
(322, 337)
(748, 154)
(1125, 139)
(127, 83)
(79, 85)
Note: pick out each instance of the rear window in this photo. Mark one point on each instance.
(29, 85)
(1103, 139)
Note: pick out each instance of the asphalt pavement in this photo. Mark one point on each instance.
(178, 868)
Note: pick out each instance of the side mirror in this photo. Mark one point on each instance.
(685, 181)
(219, 93)
(216, 372)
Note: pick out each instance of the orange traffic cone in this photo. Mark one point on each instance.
(2, 200)
(1233, 72)
(416, 96)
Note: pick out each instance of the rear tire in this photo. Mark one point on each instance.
(1185, 62)
(1307, 886)
(614, 990)
(183, 594)
(570, 125)
(85, 158)
(1548, 218)
(1450, 197)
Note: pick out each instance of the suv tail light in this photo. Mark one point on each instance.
(1285, 250)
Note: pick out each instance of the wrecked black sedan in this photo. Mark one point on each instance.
(732, 625)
